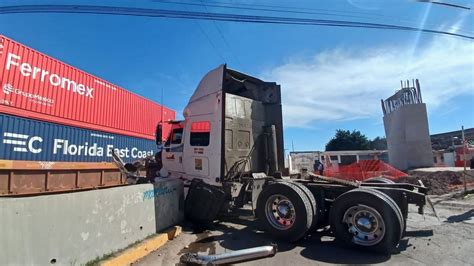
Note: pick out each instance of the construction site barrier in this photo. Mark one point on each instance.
(363, 170)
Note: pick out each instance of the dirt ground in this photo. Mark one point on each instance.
(447, 241)
(439, 182)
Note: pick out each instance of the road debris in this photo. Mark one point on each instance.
(242, 255)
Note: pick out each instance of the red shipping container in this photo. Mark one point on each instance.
(34, 85)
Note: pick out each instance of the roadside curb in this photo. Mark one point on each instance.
(142, 249)
(455, 204)
(455, 199)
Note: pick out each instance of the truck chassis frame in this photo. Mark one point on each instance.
(324, 194)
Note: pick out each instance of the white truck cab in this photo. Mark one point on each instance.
(221, 126)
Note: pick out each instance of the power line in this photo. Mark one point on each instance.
(222, 36)
(294, 10)
(290, 10)
(165, 13)
(210, 41)
(444, 4)
(305, 10)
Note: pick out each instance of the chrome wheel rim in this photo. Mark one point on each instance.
(365, 224)
(280, 212)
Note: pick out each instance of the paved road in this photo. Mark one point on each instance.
(449, 241)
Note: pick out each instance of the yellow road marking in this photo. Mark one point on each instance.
(142, 249)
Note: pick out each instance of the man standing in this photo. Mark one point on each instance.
(318, 167)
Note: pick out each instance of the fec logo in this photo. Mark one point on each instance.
(22, 143)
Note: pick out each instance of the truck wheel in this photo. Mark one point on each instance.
(396, 207)
(284, 211)
(312, 200)
(379, 180)
(368, 219)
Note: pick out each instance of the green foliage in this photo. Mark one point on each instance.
(345, 140)
(378, 144)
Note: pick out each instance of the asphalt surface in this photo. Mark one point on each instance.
(447, 241)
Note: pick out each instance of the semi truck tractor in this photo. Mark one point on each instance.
(229, 151)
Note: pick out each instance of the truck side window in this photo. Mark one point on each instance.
(177, 136)
(200, 133)
(200, 138)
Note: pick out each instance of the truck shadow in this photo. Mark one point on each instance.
(461, 217)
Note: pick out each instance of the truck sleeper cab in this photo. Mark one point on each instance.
(229, 150)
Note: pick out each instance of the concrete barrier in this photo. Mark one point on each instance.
(74, 228)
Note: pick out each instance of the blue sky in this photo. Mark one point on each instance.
(331, 77)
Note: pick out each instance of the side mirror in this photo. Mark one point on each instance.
(159, 135)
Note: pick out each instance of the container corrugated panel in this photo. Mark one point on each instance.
(32, 140)
(37, 86)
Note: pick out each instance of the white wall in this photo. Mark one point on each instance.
(449, 158)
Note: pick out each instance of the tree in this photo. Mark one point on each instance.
(378, 143)
(345, 140)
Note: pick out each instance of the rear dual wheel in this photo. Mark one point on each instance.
(368, 219)
(286, 210)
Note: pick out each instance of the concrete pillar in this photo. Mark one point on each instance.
(408, 137)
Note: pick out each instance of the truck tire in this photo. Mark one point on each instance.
(312, 200)
(368, 219)
(379, 180)
(284, 211)
(383, 180)
(396, 207)
(203, 202)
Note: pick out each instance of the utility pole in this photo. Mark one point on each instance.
(464, 159)
(162, 117)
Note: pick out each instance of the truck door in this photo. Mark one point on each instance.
(173, 150)
(198, 148)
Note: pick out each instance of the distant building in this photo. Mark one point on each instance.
(304, 160)
(448, 149)
(445, 141)
(442, 153)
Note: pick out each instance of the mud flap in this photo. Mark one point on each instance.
(430, 203)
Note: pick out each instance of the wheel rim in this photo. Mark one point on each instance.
(365, 224)
(280, 212)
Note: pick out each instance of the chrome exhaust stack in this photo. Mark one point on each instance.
(229, 257)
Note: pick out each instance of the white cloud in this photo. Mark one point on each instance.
(345, 84)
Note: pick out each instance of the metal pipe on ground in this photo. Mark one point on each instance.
(229, 257)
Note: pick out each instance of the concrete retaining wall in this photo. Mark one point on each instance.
(74, 228)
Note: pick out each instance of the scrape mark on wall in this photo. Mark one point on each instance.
(160, 191)
(85, 235)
